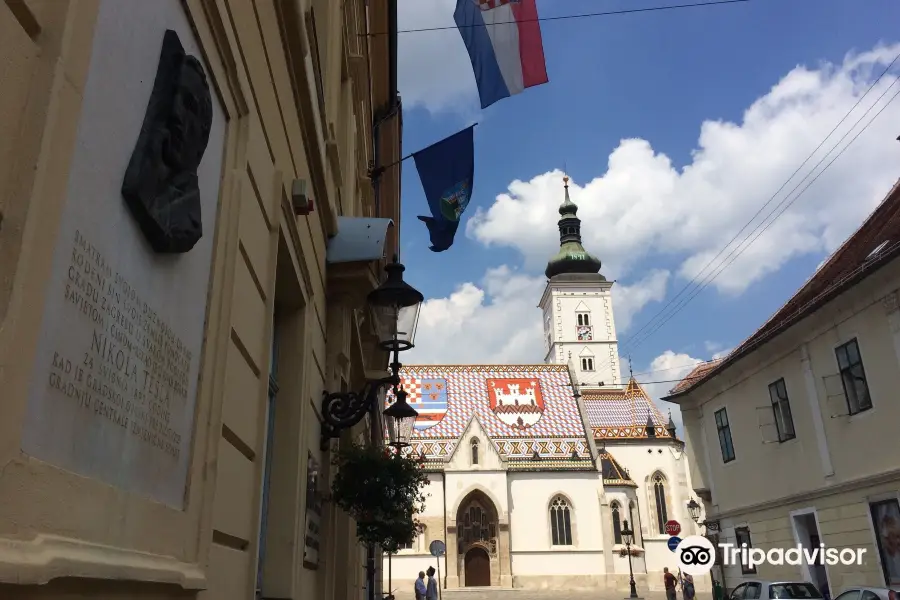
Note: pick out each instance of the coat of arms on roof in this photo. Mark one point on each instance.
(428, 396)
(516, 402)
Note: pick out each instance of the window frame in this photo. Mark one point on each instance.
(845, 371)
(724, 429)
(779, 404)
(658, 482)
(587, 364)
(560, 515)
(614, 509)
(745, 531)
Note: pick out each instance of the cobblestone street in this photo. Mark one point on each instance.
(514, 594)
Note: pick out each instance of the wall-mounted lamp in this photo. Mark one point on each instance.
(396, 306)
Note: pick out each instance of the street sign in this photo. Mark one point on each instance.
(673, 527)
(673, 542)
(712, 526)
(437, 548)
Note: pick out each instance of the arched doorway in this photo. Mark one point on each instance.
(477, 542)
(478, 567)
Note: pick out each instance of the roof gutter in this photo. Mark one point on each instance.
(857, 276)
(392, 28)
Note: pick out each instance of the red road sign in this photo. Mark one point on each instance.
(673, 527)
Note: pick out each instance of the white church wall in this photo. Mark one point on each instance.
(536, 563)
(406, 564)
(643, 461)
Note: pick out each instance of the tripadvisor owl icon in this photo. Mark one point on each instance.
(695, 555)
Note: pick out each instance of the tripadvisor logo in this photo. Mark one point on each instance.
(696, 555)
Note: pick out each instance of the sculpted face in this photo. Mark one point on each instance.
(189, 119)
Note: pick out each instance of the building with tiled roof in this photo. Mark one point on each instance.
(790, 436)
(535, 469)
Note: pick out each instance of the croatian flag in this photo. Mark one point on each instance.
(503, 38)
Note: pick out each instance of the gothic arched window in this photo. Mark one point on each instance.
(659, 496)
(617, 523)
(560, 522)
(474, 451)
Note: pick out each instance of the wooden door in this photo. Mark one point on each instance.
(478, 568)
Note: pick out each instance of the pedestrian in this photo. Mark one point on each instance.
(421, 590)
(431, 592)
(670, 582)
(688, 586)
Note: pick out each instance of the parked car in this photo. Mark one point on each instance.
(779, 590)
(869, 593)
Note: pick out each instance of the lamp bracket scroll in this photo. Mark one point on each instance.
(343, 410)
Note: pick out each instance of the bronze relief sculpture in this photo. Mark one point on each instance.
(161, 187)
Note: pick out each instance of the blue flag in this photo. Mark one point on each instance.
(447, 170)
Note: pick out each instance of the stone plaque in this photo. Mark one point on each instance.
(115, 377)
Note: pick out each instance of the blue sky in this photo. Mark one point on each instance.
(678, 85)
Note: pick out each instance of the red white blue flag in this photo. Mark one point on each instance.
(503, 38)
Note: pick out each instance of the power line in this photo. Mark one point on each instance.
(608, 13)
(706, 280)
(635, 340)
(784, 205)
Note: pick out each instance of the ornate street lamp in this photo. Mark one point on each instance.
(395, 305)
(628, 538)
(401, 419)
(694, 510)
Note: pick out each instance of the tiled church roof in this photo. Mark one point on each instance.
(449, 396)
(613, 473)
(622, 413)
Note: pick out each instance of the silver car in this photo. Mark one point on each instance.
(869, 593)
(780, 590)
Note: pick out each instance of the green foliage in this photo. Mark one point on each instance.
(382, 491)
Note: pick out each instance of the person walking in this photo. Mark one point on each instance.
(671, 584)
(431, 592)
(421, 590)
(687, 586)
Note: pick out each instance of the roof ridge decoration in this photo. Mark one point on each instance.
(622, 413)
(879, 234)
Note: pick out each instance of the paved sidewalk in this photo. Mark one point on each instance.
(519, 594)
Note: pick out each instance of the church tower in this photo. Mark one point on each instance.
(577, 308)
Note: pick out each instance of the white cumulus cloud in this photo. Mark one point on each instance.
(497, 321)
(642, 206)
(450, 86)
(667, 369)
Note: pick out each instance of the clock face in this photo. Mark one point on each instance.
(584, 333)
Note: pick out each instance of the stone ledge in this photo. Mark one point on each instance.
(47, 557)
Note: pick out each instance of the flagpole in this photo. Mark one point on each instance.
(380, 170)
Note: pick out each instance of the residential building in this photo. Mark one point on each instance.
(178, 182)
(789, 436)
(535, 469)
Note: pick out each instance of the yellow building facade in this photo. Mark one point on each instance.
(789, 437)
(159, 433)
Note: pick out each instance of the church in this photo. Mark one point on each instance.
(535, 469)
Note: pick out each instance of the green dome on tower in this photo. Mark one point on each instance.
(572, 257)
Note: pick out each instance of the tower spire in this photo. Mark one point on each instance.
(572, 257)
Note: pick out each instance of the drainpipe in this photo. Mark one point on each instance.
(446, 550)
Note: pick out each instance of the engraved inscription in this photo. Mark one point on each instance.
(132, 371)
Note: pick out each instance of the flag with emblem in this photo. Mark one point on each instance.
(503, 38)
(447, 170)
(429, 398)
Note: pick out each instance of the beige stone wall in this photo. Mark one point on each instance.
(293, 81)
(843, 522)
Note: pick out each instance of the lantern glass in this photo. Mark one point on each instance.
(396, 326)
(401, 420)
(694, 510)
(627, 533)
